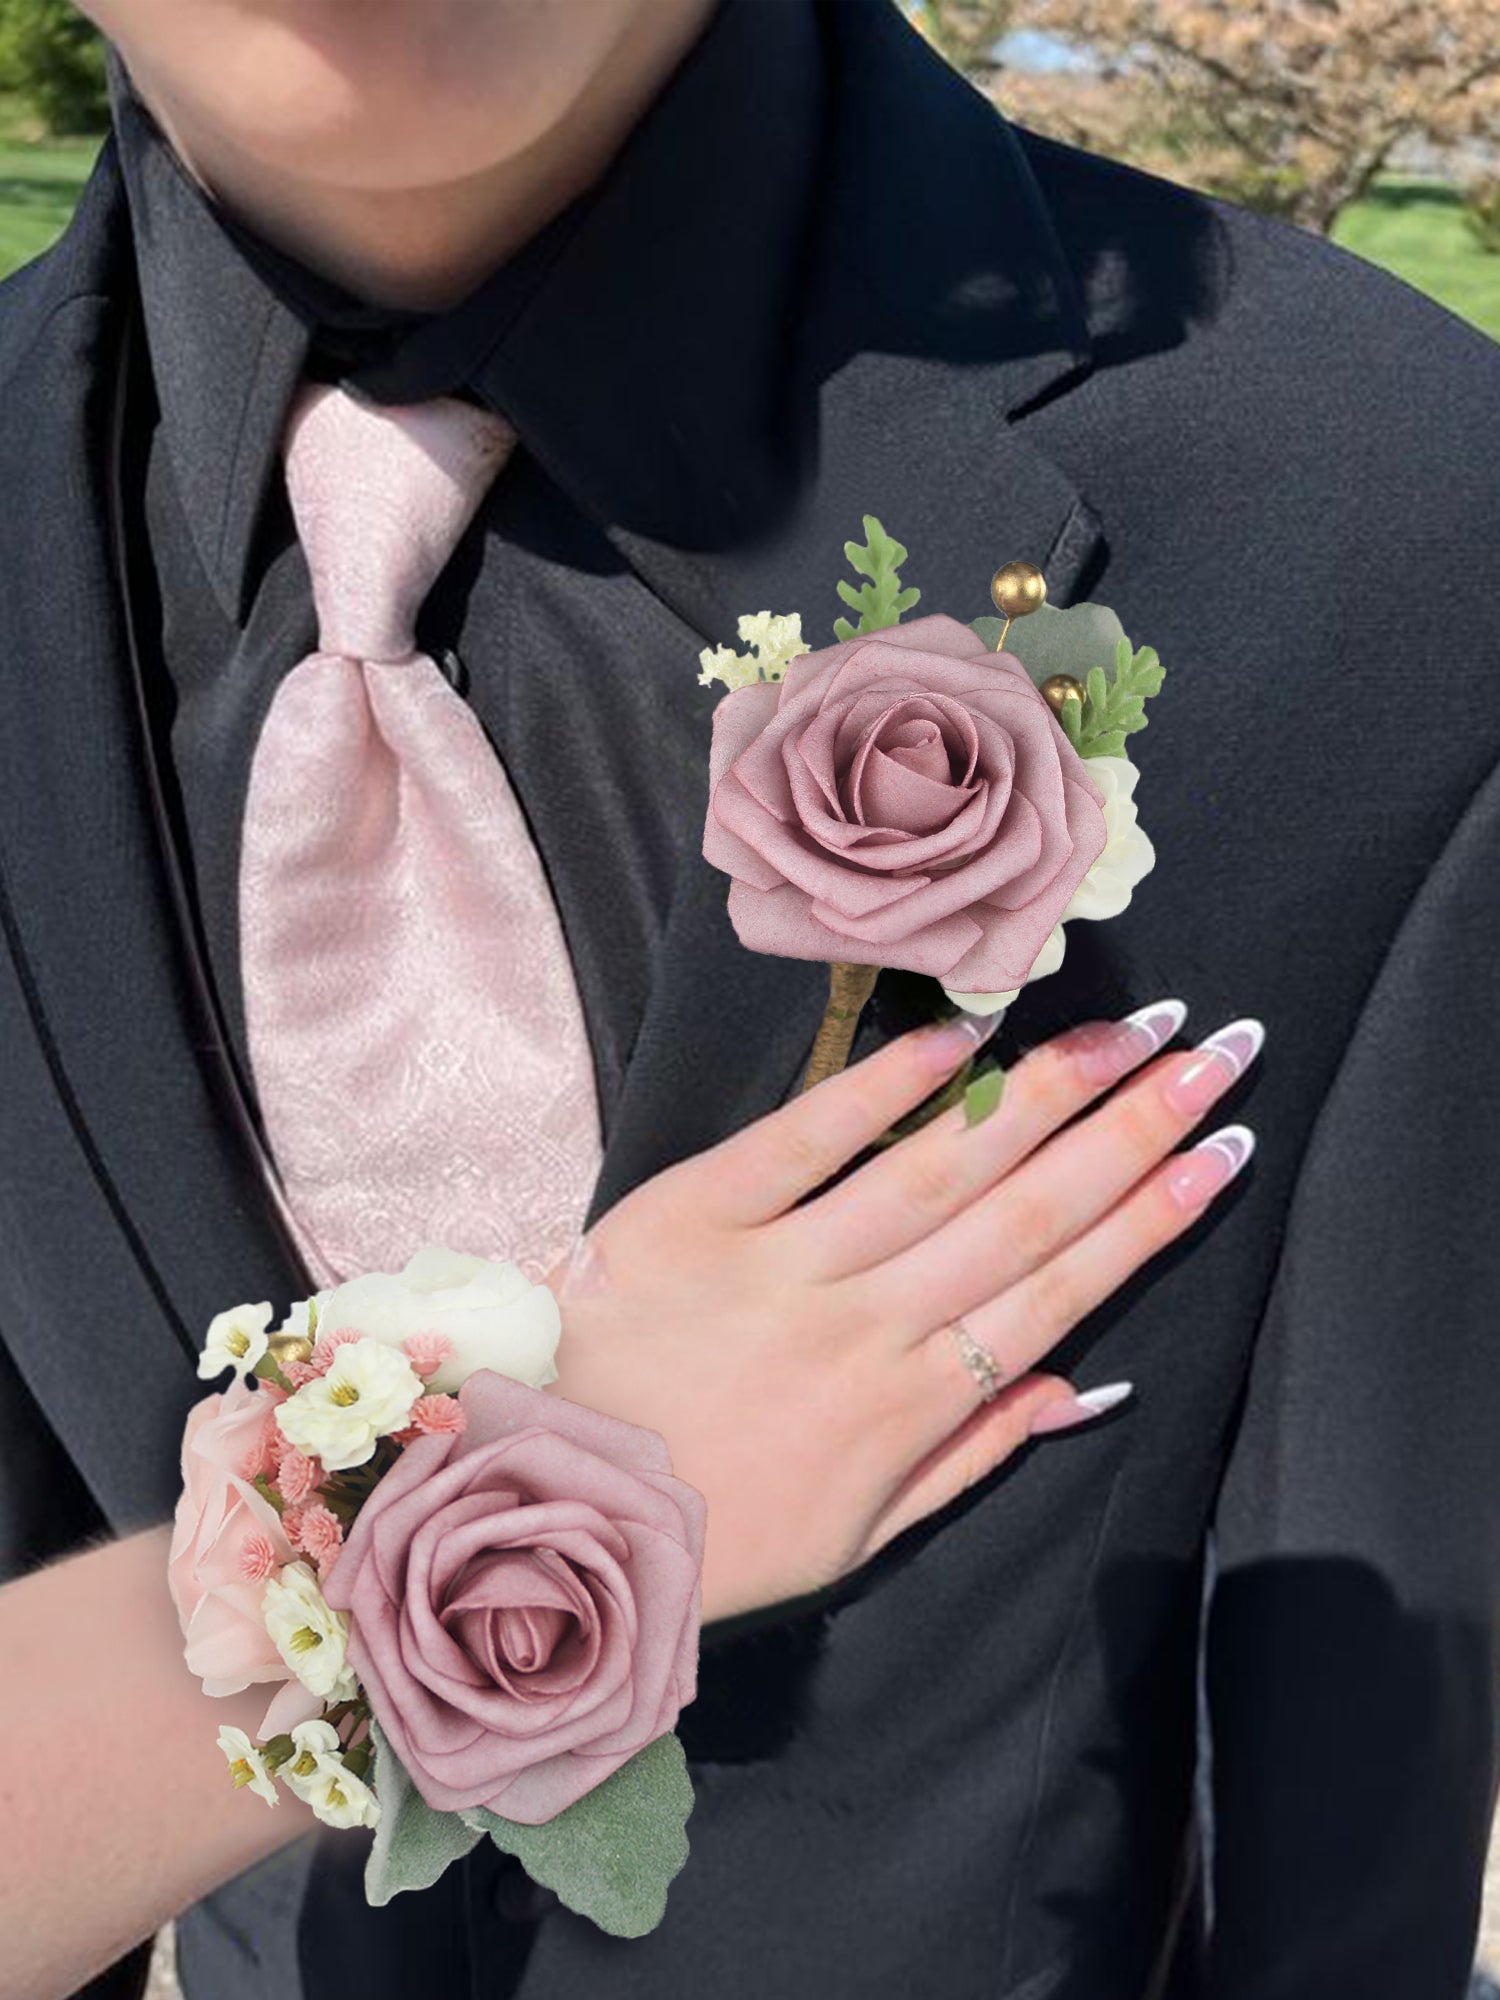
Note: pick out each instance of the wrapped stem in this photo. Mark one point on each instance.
(849, 987)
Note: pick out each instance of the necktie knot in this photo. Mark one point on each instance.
(380, 494)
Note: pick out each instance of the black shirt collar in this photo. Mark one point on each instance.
(635, 342)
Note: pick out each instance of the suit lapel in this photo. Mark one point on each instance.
(929, 324)
(727, 1031)
(90, 921)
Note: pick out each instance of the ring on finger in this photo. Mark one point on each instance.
(979, 1361)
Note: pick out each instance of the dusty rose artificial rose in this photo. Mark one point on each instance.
(905, 798)
(525, 1600)
(220, 1536)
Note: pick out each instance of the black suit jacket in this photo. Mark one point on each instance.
(969, 1768)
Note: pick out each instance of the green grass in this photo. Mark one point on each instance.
(1410, 227)
(39, 185)
(40, 180)
(1418, 231)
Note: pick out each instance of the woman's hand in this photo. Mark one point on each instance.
(798, 1355)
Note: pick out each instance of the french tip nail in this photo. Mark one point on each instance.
(1237, 1140)
(1175, 1009)
(1105, 1396)
(1070, 1410)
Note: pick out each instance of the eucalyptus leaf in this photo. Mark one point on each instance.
(1051, 640)
(414, 1844)
(611, 1854)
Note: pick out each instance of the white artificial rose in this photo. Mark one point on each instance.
(367, 1393)
(309, 1635)
(236, 1339)
(492, 1313)
(1048, 959)
(1127, 853)
(246, 1764)
(297, 1318)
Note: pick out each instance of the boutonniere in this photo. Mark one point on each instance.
(380, 1514)
(930, 797)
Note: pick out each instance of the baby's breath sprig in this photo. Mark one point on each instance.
(777, 642)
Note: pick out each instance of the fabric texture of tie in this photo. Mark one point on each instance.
(414, 1026)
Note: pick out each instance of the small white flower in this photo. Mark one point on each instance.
(317, 1773)
(246, 1764)
(236, 1339)
(1048, 959)
(311, 1741)
(1127, 853)
(337, 1796)
(367, 1393)
(309, 1635)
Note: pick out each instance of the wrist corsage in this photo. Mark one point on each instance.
(475, 1606)
(934, 797)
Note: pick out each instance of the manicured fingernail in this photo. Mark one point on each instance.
(1221, 1059)
(584, 1275)
(1070, 1410)
(1107, 1049)
(1211, 1164)
(944, 1047)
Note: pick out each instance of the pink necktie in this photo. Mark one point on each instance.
(414, 1027)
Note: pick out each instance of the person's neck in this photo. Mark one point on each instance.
(425, 248)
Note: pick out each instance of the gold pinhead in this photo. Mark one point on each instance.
(1060, 688)
(1018, 588)
(285, 1347)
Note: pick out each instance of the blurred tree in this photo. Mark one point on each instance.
(965, 31)
(1482, 212)
(53, 57)
(1289, 105)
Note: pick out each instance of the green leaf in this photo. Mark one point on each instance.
(611, 1854)
(1051, 640)
(949, 1093)
(881, 601)
(413, 1843)
(983, 1095)
(1114, 709)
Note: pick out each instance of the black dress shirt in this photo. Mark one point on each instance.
(635, 343)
